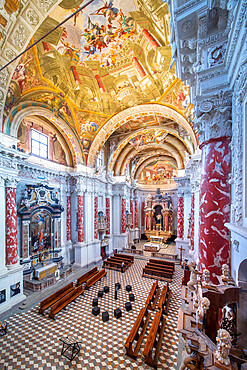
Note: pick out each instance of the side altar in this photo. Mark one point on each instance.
(156, 242)
(158, 216)
(39, 213)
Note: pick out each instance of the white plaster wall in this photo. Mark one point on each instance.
(187, 211)
(238, 251)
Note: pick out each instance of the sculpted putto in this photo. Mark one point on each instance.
(223, 340)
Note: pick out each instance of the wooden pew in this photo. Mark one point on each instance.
(114, 265)
(134, 335)
(82, 279)
(125, 255)
(154, 339)
(64, 301)
(53, 298)
(118, 259)
(164, 263)
(124, 259)
(160, 267)
(153, 296)
(165, 298)
(91, 281)
(153, 272)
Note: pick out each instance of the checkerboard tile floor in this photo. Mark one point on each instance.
(33, 341)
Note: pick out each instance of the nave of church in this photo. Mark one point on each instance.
(123, 147)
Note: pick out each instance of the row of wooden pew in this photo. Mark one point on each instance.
(155, 335)
(163, 270)
(60, 299)
(119, 261)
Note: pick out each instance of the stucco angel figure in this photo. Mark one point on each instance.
(225, 273)
(191, 358)
(223, 340)
(192, 284)
(203, 306)
(206, 283)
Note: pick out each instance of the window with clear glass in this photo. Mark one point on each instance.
(39, 144)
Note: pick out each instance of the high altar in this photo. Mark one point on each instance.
(158, 216)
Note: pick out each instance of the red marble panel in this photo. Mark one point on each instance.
(108, 216)
(214, 246)
(123, 216)
(80, 219)
(11, 227)
(180, 218)
(136, 214)
(68, 218)
(132, 213)
(96, 232)
(192, 227)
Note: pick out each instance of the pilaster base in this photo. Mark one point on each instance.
(137, 233)
(87, 253)
(11, 286)
(132, 236)
(120, 241)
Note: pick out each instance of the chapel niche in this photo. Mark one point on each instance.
(40, 213)
(158, 216)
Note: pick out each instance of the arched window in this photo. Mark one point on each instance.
(39, 144)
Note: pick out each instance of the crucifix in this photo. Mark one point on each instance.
(181, 253)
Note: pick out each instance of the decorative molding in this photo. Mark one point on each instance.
(240, 93)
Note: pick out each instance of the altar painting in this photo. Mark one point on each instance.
(40, 231)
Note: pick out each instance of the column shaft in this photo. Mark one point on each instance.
(192, 226)
(180, 218)
(68, 218)
(11, 227)
(96, 232)
(80, 219)
(132, 214)
(108, 215)
(123, 216)
(136, 214)
(214, 243)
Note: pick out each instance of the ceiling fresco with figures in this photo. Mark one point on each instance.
(111, 57)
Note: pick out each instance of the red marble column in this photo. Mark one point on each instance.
(136, 214)
(108, 216)
(96, 231)
(100, 83)
(192, 218)
(123, 216)
(214, 244)
(132, 213)
(11, 227)
(68, 218)
(150, 38)
(167, 222)
(180, 218)
(80, 219)
(143, 215)
(139, 68)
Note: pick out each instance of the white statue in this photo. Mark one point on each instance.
(192, 284)
(225, 273)
(203, 306)
(223, 340)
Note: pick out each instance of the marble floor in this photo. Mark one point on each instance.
(33, 340)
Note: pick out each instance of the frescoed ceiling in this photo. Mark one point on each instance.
(110, 58)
